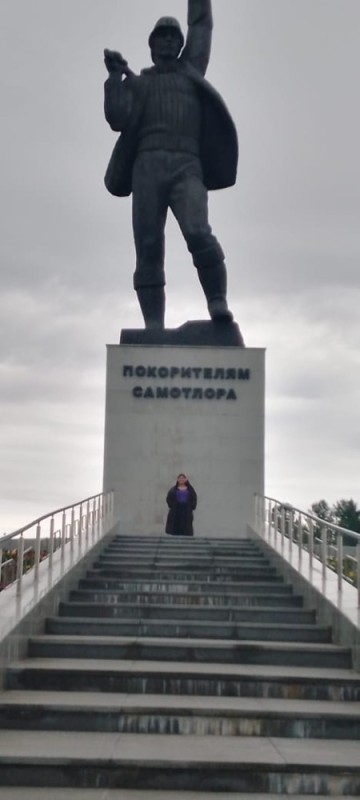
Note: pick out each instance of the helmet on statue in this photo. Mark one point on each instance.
(167, 22)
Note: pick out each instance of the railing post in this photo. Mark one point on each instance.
(282, 524)
(99, 517)
(257, 514)
(300, 540)
(80, 528)
(358, 570)
(263, 516)
(276, 526)
(311, 543)
(19, 565)
(291, 532)
(37, 553)
(72, 530)
(93, 526)
(63, 534)
(324, 550)
(87, 523)
(51, 542)
(269, 521)
(112, 509)
(340, 560)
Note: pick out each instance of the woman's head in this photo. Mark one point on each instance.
(182, 480)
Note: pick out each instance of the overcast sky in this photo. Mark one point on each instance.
(289, 71)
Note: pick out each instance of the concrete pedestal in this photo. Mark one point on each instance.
(198, 410)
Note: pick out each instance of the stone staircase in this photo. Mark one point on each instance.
(182, 669)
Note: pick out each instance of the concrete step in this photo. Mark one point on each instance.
(210, 598)
(166, 678)
(181, 665)
(187, 561)
(195, 567)
(195, 541)
(202, 763)
(84, 624)
(180, 715)
(96, 579)
(106, 610)
(18, 793)
(184, 541)
(173, 545)
(178, 576)
(169, 548)
(174, 612)
(194, 650)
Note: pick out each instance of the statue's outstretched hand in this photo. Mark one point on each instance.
(115, 62)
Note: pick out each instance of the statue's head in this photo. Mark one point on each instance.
(166, 39)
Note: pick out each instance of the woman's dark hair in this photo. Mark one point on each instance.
(181, 475)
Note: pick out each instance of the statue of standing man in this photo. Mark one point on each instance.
(177, 142)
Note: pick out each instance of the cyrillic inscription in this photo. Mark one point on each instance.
(186, 373)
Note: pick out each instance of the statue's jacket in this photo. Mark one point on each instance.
(124, 104)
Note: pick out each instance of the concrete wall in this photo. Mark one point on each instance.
(210, 426)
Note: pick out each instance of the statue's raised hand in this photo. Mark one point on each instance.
(115, 62)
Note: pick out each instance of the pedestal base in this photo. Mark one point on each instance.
(198, 410)
(203, 333)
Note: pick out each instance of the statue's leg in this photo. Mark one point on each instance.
(149, 218)
(214, 283)
(189, 203)
(152, 303)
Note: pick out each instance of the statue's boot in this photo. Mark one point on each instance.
(152, 304)
(213, 281)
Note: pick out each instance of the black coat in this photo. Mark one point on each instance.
(218, 144)
(173, 508)
(125, 100)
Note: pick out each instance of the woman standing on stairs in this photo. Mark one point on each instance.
(182, 500)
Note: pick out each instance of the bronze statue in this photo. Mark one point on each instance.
(177, 142)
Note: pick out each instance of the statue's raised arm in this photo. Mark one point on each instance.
(198, 41)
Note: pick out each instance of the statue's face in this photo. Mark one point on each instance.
(166, 44)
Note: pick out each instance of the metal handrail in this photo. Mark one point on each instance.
(309, 533)
(8, 536)
(92, 517)
(318, 520)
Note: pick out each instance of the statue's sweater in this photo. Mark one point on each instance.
(171, 119)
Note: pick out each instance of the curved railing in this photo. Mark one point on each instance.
(76, 527)
(338, 549)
